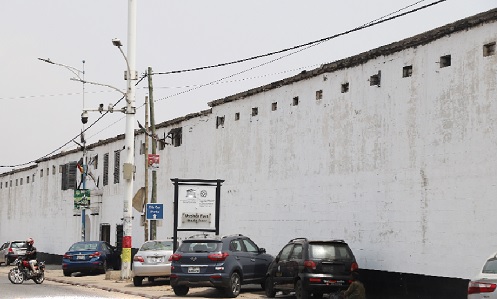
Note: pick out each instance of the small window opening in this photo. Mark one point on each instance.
(274, 106)
(20, 180)
(255, 111)
(53, 169)
(407, 71)
(176, 136)
(27, 180)
(489, 49)
(345, 87)
(41, 173)
(17, 182)
(445, 61)
(142, 148)
(219, 121)
(295, 101)
(375, 80)
(237, 116)
(319, 95)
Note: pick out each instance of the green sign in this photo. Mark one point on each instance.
(81, 198)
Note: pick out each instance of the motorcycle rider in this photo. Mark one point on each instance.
(31, 254)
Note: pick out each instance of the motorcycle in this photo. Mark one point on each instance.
(22, 271)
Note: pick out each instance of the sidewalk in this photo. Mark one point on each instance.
(111, 281)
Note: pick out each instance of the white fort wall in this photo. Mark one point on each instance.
(404, 172)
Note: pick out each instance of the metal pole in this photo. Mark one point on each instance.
(153, 199)
(83, 176)
(129, 144)
(145, 201)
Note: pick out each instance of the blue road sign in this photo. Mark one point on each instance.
(155, 211)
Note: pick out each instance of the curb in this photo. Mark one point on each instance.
(116, 290)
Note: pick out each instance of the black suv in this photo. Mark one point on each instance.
(221, 262)
(311, 267)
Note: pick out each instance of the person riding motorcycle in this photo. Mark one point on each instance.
(31, 254)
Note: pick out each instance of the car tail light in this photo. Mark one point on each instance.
(175, 257)
(354, 267)
(10, 250)
(138, 258)
(95, 254)
(218, 257)
(476, 287)
(67, 256)
(310, 265)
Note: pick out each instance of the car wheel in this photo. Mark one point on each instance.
(269, 287)
(104, 268)
(300, 293)
(137, 281)
(67, 273)
(181, 290)
(235, 285)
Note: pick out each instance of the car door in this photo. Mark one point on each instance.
(260, 260)
(243, 258)
(281, 275)
(3, 252)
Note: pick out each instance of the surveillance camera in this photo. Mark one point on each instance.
(84, 117)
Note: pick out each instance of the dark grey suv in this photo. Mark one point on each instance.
(311, 267)
(221, 262)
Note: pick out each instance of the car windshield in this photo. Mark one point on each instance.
(157, 245)
(18, 245)
(332, 251)
(490, 266)
(83, 246)
(200, 246)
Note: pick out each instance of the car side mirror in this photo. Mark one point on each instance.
(262, 250)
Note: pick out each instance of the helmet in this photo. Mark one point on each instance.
(30, 241)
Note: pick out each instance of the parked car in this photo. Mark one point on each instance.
(11, 250)
(311, 267)
(152, 261)
(221, 262)
(88, 257)
(485, 283)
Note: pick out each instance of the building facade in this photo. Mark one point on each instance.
(391, 150)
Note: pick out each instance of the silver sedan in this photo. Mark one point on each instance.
(152, 261)
(485, 283)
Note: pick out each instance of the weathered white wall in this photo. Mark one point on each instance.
(404, 172)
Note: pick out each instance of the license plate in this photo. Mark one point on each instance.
(193, 269)
(80, 257)
(157, 260)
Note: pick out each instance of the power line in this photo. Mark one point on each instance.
(370, 24)
(298, 49)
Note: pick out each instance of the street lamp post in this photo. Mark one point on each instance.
(129, 138)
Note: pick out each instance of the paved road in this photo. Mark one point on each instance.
(159, 289)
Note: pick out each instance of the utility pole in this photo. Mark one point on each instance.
(153, 223)
(145, 201)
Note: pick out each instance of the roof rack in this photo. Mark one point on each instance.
(200, 236)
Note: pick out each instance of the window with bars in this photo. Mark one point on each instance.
(106, 169)
(117, 165)
(69, 175)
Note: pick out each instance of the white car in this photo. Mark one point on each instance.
(152, 261)
(485, 283)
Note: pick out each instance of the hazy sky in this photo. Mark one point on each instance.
(41, 107)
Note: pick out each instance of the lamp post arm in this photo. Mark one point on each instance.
(100, 84)
(73, 70)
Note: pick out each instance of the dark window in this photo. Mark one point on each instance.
(142, 148)
(41, 173)
(94, 161)
(69, 175)
(20, 181)
(489, 49)
(220, 122)
(176, 136)
(117, 166)
(295, 101)
(319, 94)
(106, 169)
(27, 180)
(274, 106)
(237, 116)
(345, 87)
(255, 111)
(105, 232)
(445, 61)
(375, 80)
(407, 71)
